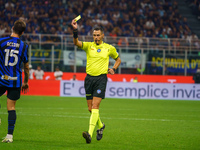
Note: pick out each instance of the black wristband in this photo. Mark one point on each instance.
(75, 33)
(114, 69)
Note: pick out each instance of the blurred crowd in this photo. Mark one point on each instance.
(195, 6)
(130, 18)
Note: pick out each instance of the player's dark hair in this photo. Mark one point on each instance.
(98, 28)
(19, 27)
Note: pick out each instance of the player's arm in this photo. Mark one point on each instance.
(116, 65)
(75, 34)
(25, 85)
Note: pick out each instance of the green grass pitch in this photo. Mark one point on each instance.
(55, 123)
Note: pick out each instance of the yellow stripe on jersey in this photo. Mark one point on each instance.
(98, 57)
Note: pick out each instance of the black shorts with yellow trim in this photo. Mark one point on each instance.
(95, 86)
(12, 93)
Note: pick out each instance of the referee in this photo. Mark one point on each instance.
(97, 53)
(12, 53)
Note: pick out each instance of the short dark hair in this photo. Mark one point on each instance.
(19, 27)
(98, 28)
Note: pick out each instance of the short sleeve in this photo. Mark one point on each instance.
(113, 52)
(85, 46)
(25, 58)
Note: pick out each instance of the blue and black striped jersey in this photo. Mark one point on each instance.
(13, 52)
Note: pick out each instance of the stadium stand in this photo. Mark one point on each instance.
(149, 27)
(136, 18)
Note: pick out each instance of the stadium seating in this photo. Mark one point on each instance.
(147, 18)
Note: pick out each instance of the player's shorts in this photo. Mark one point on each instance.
(95, 86)
(12, 93)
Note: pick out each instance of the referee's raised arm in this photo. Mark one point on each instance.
(75, 34)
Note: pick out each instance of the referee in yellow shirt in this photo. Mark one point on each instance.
(97, 69)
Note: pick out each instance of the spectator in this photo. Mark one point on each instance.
(149, 25)
(138, 39)
(153, 70)
(149, 34)
(167, 29)
(186, 37)
(111, 13)
(163, 35)
(161, 11)
(44, 66)
(126, 22)
(194, 36)
(116, 15)
(31, 72)
(73, 78)
(58, 74)
(9, 4)
(39, 73)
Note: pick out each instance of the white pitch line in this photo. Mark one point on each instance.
(20, 108)
(65, 108)
(109, 118)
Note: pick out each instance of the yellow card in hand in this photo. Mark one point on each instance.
(77, 18)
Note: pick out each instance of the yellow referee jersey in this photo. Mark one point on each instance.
(98, 57)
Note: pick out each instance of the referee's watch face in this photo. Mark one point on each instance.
(98, 36)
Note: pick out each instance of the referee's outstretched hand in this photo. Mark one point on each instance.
(74, 24)
(25, 88)
(111, 71)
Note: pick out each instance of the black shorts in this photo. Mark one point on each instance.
(95, 86)
(12, 93)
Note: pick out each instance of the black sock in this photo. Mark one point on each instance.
(11, 121)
